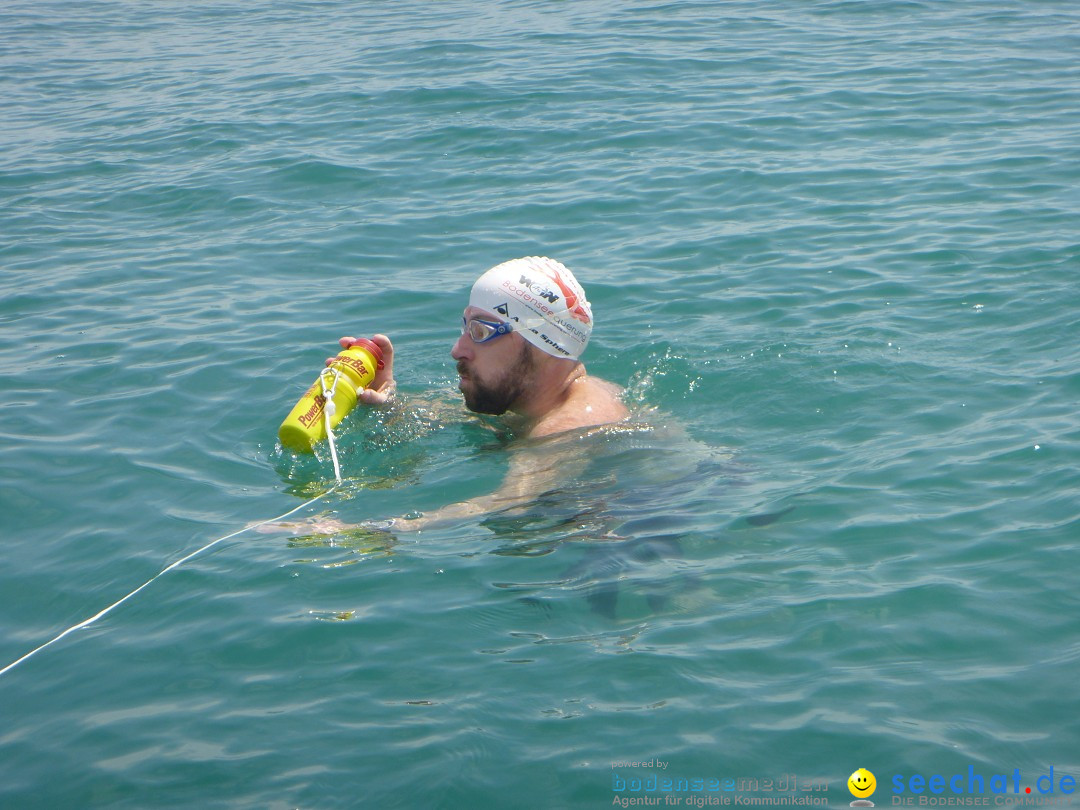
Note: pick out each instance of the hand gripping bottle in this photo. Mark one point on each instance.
(353, 369)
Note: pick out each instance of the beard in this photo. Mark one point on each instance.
(496, 396)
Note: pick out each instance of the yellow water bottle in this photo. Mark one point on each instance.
(352, 370)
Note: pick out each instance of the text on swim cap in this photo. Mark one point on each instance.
(527, 297)
(543, 292)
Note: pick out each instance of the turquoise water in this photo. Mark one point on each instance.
(832, 249)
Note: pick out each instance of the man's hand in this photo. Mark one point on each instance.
(382, 387)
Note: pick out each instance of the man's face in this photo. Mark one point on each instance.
(494, 374)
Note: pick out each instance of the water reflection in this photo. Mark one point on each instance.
(638, 493)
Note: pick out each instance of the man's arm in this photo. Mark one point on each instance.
(533, 471)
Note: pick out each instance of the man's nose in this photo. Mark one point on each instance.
(461, 348)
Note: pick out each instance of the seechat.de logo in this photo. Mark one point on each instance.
(980, 790)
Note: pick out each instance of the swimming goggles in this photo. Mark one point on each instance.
(481, 331)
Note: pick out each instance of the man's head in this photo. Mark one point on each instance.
(526, 324)
(541, 300)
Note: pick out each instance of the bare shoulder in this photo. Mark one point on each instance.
(592, 402)
(603, 389)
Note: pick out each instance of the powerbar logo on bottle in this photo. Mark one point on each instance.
(353, 363)
(314, 412)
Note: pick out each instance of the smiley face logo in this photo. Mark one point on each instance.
(862, 783)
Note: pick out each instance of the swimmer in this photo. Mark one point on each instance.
(522, 335)
(518, 357)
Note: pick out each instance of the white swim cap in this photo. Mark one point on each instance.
(543, 301)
